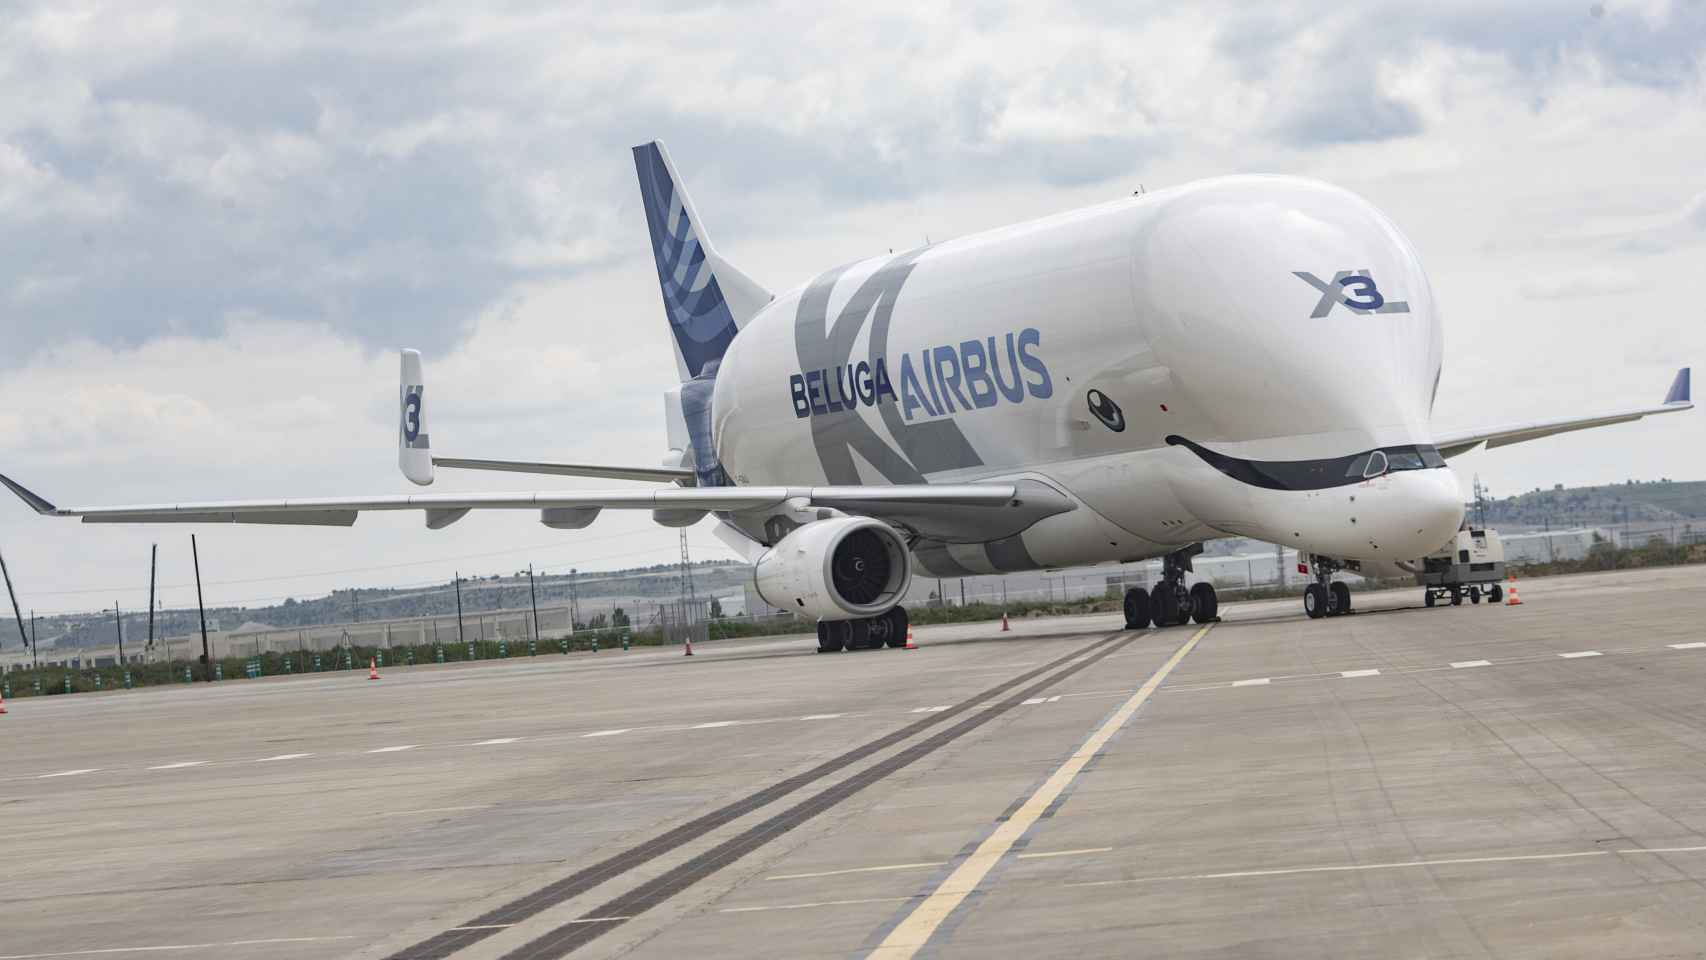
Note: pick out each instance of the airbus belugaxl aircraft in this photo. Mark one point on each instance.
(1246, 356)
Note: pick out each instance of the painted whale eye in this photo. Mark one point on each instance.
(1105, 410)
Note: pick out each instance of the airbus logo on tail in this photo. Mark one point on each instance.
(1353, 288)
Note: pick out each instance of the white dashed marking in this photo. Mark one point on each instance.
(1465, 664)
(496, 741)
(1581, 653)
(607, 733)
(1352, 674)
(68, 773)
(1033, 701)
(397, 749)
(1257, 682)
(284, 756)
(930, 709)
(179, 765)
(1696, 645)
(823, 716)
(713, 724)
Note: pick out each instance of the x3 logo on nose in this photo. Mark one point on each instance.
(1353, 288)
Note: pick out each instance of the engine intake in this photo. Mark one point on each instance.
(836, 569)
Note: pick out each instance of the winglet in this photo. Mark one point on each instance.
(36, 503)
(1679, 388)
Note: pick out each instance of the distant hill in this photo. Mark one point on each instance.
(1662, 501)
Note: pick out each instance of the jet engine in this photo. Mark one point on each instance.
(841, 568)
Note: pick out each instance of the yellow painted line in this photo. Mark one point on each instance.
(921, 924)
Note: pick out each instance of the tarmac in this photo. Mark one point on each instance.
(1468, 781)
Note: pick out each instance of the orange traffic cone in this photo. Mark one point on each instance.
(909, 644)
(372, 668)
(689, 652)
(1511, 599)
(2, 704)
(1004, 626)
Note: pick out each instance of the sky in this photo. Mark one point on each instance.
(219, 222)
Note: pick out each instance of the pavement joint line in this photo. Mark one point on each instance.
(165, 948)
(1466, 664)
(921, 923)
(1394, 865)
(885, 868)
(1046, 854)
(1578, 654)
(803, 906)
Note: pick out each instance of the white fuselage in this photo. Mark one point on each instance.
(1068, 350)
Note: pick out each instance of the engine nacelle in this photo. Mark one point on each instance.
(837, 569)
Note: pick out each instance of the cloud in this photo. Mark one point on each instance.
(1585, 282)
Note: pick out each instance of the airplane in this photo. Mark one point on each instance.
(1243, 356)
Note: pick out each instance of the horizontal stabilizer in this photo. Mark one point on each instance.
(662, 474)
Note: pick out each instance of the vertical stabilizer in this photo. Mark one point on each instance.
(414, 449)
(705, 298)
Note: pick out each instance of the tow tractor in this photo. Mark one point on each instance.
(1472, 564)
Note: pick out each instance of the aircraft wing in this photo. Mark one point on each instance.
(571, 509)
(1451, 444)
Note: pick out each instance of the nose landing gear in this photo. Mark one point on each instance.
(1170, 601)
(1325, 597)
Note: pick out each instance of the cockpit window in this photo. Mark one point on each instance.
(1376, 464)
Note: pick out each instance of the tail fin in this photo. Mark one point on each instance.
(414, 449)
(706, 298)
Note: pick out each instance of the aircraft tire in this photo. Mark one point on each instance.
(1205, 605)
(1136, 608)
(829, 638)
(897, 622)
(1163, 605)
(1315, 601)
(1341, 597)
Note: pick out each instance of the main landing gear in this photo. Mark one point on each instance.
(1170, 601)
(1325, 597)
(868, 633)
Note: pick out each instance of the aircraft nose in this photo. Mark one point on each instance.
(1427, 511)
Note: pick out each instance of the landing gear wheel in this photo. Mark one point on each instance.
(830, 637)
(1427, 598)
(1164, 605)
(1205, 606)
(1341, 597)
(1474, 594)
(897, 621)
(1315, 601)
(1136, 608)
(1496, 594)
(859, 635)
(1457, 596)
